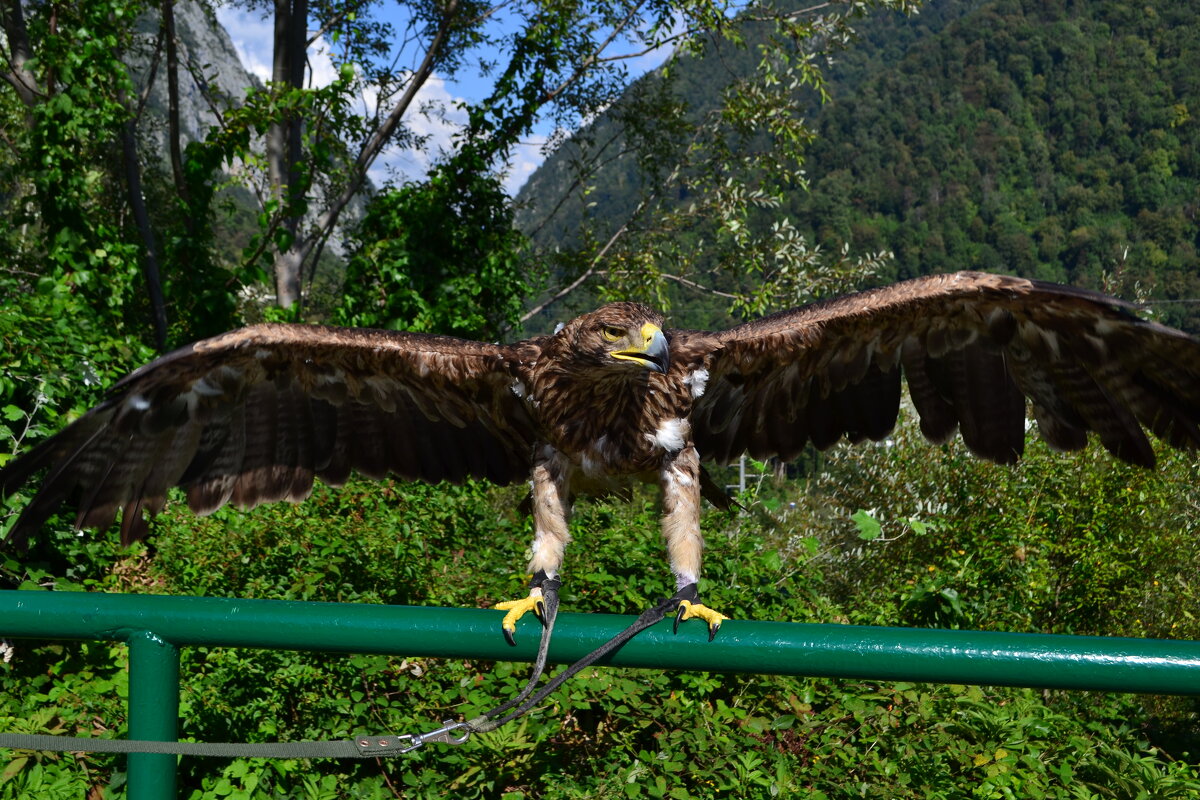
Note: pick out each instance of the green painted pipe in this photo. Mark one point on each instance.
(153, 713)
(1153, 666)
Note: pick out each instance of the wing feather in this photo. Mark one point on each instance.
(253, 415)
(973, 348)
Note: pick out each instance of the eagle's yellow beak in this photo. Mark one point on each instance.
(653, 352)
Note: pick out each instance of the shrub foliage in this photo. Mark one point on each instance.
(1063, 543)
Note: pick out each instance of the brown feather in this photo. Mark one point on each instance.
(973, 346)
(253, 415)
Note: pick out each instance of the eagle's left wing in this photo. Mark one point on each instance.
(973, 348)
(253, 415)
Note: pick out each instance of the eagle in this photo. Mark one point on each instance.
(612, 398)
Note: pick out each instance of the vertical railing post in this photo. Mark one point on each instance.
(153, 714)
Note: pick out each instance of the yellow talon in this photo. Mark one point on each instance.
(688, 610)
(517, 609)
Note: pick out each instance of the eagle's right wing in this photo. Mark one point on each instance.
(254, 415)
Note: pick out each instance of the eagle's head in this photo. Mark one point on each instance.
(618, 337)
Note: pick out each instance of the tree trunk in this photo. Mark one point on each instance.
(168, 22)
(137, 203)
(18, 75)
(284, 145)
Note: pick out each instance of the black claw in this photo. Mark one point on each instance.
(508, 637)
(539, 608)
(687, 593)
(712, 631)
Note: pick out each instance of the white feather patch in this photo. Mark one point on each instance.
(671, 435)
(596, 458)
(696, 380)
(518, 388)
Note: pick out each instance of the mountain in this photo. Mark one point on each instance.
(211, 76)
(1048, 139)
(697, 81)
(1052, 140)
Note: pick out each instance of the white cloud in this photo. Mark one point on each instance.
(252, 36)
(525, 158)
(323, 72)
(435, 115)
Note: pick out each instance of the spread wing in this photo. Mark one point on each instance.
(253, 415)
(973, 348)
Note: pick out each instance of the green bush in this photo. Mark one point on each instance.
(1063, 543)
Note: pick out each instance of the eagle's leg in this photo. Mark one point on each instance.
(680, 479)
(551, 516)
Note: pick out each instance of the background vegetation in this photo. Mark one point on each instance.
(1064, 544)
(1045, 139)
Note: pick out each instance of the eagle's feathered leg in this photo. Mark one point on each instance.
(551, 518)
(680, 479)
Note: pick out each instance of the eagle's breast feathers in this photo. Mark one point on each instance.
(611, 417)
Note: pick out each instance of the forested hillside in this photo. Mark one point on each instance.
(1050, 140)
(1046, 139)
(615, 187)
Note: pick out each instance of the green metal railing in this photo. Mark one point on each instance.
(156, 626)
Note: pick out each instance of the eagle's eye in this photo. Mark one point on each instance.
(612, 333)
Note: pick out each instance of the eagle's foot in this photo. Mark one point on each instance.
(689, 607)
(542, 601)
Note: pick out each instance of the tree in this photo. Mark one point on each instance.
(318, 155)
(710, 159)
(562, 59)
(64, 167)
(440, 255)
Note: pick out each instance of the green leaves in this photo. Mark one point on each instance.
(440, 255)
(869, 528)
(608, 732)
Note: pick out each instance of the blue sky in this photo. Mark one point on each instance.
(251, 33)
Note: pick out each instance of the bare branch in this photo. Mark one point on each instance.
(593, 268)
(137, 203)
(809, 10)
(375, 144)
(788, 16)
(144, 95)
(331, 23)
(595, 165)
(486, 15)
(167, 31)
(596, 259)
(698, 287)
(592, 58)
(684, 34)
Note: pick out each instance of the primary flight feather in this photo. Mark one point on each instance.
(255, 415)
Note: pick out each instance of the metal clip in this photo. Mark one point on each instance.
(440, 736)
